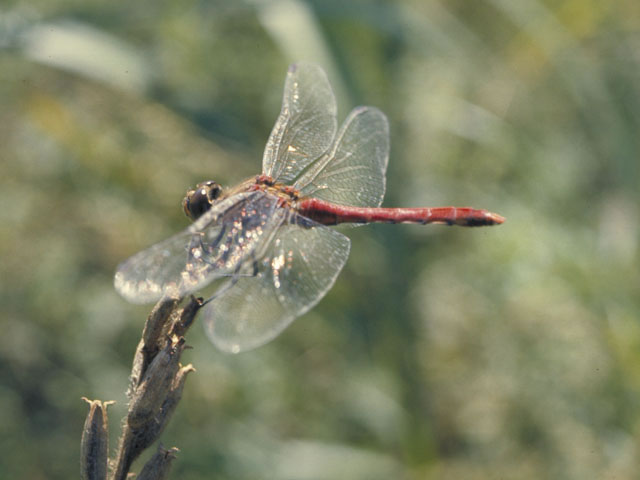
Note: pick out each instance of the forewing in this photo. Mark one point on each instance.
(297, 270)
(353, 171)
(306, 125)
(214, 246)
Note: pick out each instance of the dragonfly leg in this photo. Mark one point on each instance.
(235, 276)
(254, 266)
(208, 253)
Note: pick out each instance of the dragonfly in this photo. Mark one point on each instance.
(268, 240)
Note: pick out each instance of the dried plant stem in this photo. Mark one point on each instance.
(156, 384)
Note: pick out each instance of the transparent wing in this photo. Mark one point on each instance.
(298, 269)
(353, 171)
(214, 246)
(306, 125)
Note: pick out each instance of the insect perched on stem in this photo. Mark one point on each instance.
(267, 237)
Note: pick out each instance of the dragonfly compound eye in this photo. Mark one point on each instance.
(213, 190)
(199, 200)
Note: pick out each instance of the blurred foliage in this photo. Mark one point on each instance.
(509, 352)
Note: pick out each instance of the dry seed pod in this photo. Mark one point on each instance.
(157, 468)
(156, 384)
(94, 446)
(186, 316)
(155, 328)
(168, 407)
(154, 338)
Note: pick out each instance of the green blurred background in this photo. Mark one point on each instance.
(507, 352)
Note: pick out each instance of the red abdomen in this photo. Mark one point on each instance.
(328, 213)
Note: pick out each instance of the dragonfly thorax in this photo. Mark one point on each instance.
(198, 200)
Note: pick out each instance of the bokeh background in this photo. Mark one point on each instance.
(505, 352)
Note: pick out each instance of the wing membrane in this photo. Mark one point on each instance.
(299, 267)
(214, 246)
(353, 171)
(306, 125)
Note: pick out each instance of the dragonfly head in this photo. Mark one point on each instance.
(198, 200)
